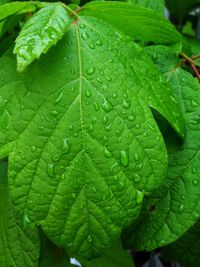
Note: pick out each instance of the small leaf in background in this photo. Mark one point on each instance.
(18, 8)
(40, 33)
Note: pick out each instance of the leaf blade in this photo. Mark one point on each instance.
(40, 33)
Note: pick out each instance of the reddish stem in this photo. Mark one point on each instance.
(195, 70)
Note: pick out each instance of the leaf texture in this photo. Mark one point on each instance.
(157, 5)
(85, 144)
(40, 33)
(176, 205)
(18, 247)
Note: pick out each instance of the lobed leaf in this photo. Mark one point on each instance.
(176, 205)
(85, 146)
(40, 33)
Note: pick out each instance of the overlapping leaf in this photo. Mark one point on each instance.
(40, 33)
(186, 249)
(175, 207)
(18, 247)
(85, 144)
(138, 22)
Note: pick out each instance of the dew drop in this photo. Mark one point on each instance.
(82, 26)
(94, 189)
(181, 209)
(62, 176)
(107, 106)
(136, 156)
(139, 196)
(99, 80)
(73, 195)
(96, 106)
(85, 35)
(91, 127)
(50, 170)
(195, 182)
(88, 93)
(107, 153)
(71, 127)
(114, 95)
(124, 158)
(54, 112)
(194, 104)
(105, 138)
(33, 148)
(91, 71)
(137, 178)
(59, 98)
(99, 42)
(131, 118)
(126, 104)
(91, 46)
(104, 119)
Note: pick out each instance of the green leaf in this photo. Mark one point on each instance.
(18, 247)
(186, 249)
(179, 8)
(176, 205)
(157, 5)
(140, 23)
(17, 8)
(85, 144)
(115, 256)
(40, 33)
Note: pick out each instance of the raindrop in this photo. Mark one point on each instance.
(71, 127)
(88, 93)
(85, 35)
(114, 95)
(94, 189)
(195, 182)
(126, 104)
(181, 208)
(50, 170)
(131, 118)
(58, 99)
(33, 148)
(92, 46)
(139, 196)
(62, 176)
(136, 156)
(96, 106)
(124, 158)
(99, 80)
(82, 26)
(107, 106)
(91, 71)
(105, 138)
(137, 178)
(99, 42)
(194, 104)
(54, 112)
(91, 127)
(104, 119)
(73, 195)
(107, 153)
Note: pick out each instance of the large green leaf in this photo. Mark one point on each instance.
(138, 22)
(115, 256)
(40, 33)
(186, 249)
(175, 207)
(18, 247)
(85, 144)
